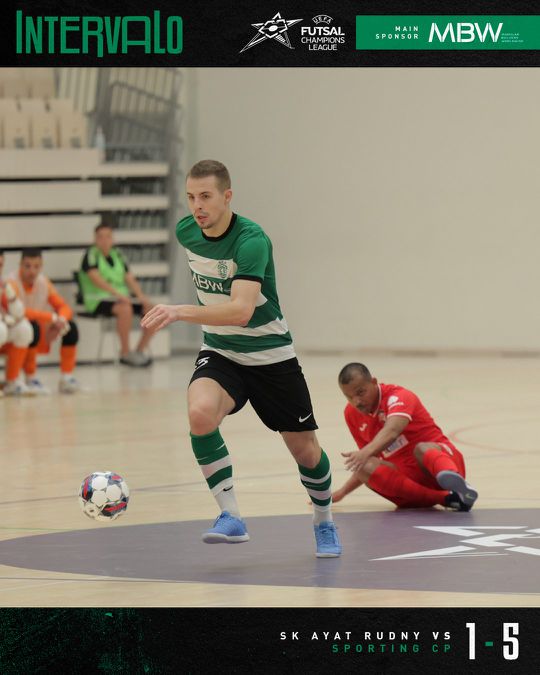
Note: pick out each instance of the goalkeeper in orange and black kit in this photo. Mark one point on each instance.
(15, 335)
(51, 318)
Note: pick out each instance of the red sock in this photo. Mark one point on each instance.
(436, 460)
(402, 491)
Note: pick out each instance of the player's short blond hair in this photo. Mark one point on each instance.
(211, 167)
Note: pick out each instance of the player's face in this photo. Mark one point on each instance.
(362, 393)
(104, 240)
(209, 206)
(30, 269)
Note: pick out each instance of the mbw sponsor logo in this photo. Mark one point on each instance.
(205, 284)
(465, 32)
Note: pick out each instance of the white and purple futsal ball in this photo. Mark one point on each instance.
(104, 496)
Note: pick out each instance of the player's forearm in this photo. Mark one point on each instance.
(354, 482)
(38, 315)
(60, 306)
(231, 313)
(381, 441)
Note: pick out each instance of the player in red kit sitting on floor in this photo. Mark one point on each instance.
(403, 455)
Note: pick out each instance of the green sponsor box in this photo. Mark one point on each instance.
(448, 32)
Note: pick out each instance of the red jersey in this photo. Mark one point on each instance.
(395, 400)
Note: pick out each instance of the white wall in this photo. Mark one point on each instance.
(185, 335)
(403, 204)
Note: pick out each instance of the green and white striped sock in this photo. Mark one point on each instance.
(317, 482)
(215, 462)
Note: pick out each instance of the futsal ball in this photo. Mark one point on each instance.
(104, 496)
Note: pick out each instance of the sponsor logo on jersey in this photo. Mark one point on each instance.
(275, 28)
(393, 401)
(207, 284)
(400, 442)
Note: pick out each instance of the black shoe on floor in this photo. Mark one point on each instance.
(462, 495)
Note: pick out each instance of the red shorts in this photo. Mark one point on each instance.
(406, 463)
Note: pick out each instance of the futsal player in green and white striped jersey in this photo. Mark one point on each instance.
(247, 353)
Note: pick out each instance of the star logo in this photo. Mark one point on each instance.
(474, 542)
(274, 29)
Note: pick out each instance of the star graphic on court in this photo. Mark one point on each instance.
(473, 536)
(274, 29)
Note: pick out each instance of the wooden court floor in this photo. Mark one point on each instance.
(134, 422)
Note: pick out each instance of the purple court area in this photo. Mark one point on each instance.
(485, 551)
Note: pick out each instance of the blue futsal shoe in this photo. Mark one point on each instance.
(327, 538)
(226, 530)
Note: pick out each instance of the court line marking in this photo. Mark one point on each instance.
(149, 488)
(454, 436)
(136, 580)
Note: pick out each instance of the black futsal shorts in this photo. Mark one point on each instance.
(277, 392)
(105, 308)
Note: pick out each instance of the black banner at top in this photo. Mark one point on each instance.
(276, 33)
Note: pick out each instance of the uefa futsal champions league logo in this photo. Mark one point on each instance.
(322, 36)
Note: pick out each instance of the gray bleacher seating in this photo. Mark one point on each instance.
(40, 82)
(13, 84)
(72, 130)
(51, 196)
(16, 130)
(44, 130)
(60, 105)
(27, 82)
(107, 324)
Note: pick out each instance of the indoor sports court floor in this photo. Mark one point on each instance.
(134, 422)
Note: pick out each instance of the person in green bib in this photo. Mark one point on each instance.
(247, 354)
(107, 285)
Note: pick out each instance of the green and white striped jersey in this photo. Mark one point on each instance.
(243, 251)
